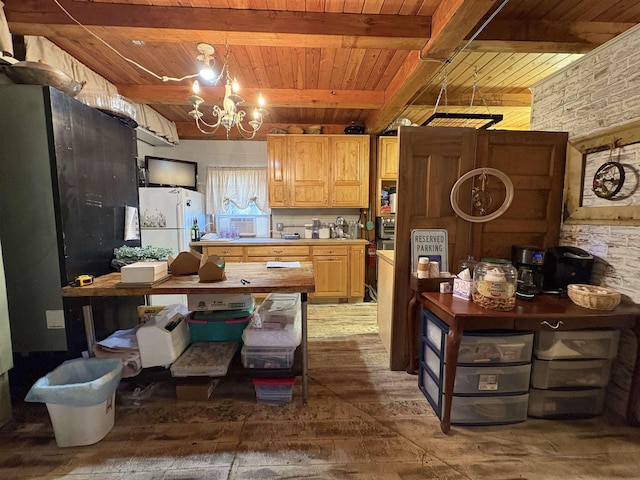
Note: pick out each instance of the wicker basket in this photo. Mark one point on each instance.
(593, 297)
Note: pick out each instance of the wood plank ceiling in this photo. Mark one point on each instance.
(332, 62)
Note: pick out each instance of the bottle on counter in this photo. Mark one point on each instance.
(195, 231)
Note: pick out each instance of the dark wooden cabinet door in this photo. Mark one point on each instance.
(432, 159)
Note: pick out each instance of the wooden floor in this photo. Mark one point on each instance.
(362, 422)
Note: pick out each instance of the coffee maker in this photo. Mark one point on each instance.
(529, 262)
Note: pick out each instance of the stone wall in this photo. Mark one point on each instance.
(600, 91)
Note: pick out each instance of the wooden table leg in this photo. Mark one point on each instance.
(305, 358)
(634, 392)
(412, 333)
(451, 361)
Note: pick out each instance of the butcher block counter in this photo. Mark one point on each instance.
(338, 264)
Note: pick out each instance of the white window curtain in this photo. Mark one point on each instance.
(237, 185)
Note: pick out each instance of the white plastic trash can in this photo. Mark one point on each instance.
(80, 398)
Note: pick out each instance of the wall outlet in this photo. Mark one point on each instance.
(55, 319)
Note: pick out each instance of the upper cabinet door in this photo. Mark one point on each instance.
(277, 165)
(308, 171)
(349, 171)
(388, 158)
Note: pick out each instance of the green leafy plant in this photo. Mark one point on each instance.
(141, 253)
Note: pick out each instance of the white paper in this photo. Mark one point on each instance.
(131, 225)
(283, 264)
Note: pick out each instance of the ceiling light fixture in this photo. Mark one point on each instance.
(229, 115)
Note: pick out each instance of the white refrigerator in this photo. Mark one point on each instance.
(166, 217)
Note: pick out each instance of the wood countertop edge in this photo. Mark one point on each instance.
(277, 241)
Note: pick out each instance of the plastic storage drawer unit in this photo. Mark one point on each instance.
(485, 346)
(570, 373)
(477, 409)
(473, 380)
(581, 403)
(576, 344)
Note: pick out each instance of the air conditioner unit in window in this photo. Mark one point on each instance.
(243, 226)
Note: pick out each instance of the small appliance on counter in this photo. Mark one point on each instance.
(565, 265)
(385, 232)
(529, 262)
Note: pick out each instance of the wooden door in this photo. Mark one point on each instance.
(431, 159)
(277, 166)
(349, 184)
(331, 274)
(535, 163)
(308, 170)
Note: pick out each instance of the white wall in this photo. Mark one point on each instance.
(241, 153)
(599, 91)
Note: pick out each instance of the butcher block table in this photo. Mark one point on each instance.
(544, 312)
(239, 278)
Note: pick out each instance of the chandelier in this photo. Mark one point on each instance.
(229, 115)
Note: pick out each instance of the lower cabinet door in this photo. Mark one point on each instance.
(331, 275)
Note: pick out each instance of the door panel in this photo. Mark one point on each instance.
(431, 159)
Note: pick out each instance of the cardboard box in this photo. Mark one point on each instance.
(195, 389)
(186, 263)
(143, 272)
(190, 263)
(147, 312)
(212, 301)
(462, 288)
(212, 269)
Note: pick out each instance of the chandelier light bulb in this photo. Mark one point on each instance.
(196, 87)
(235, 85)
(260, 99)
(208, 73)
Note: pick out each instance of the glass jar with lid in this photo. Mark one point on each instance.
(495, 282)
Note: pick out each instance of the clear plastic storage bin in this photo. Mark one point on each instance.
(274, 390)
(492, 380)
(483, 346)
(267, 357)
(566, 403)
(576, 344)
(570, 373)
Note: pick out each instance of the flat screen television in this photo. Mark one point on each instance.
(168, 172)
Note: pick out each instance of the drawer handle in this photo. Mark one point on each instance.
(557, 325)
(226, 251)
(278, 251)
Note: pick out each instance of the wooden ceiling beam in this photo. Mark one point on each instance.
(543, 36)
(172, 35)
(522, 99)
(452, 21)
(177, 94)
(180, 24)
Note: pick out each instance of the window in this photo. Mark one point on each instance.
(237, 190)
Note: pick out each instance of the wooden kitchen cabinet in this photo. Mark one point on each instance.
(349, 180)
(277, 253)
(356, 271)
(331, 271)
(387, 170)
(310, 171)
(276, 155)
(388, 158)
(338, 265)
(230, 254)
